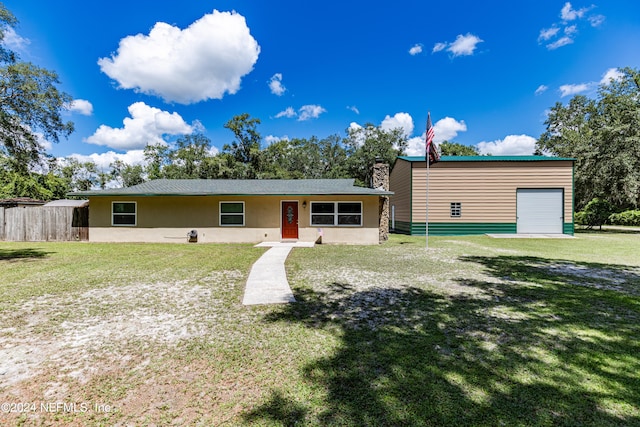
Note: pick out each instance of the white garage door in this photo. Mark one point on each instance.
(539, 210)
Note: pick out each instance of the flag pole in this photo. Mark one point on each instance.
(430, 151)
(426, 230)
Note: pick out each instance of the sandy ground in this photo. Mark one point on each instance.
(71, 332)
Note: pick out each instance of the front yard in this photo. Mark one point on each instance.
(473, 331)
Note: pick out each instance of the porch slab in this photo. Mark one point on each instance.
(285, 244)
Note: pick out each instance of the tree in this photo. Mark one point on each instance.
(455, 149)
(78, 176)
(30, 106)
(366, 144)
(246, 148)
(157, 157)
(125, 174)
(595, 213)
(603, 135)
(42, 186)
(188, 159)
(305, 158)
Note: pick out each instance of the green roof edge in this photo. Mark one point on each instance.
(489, 158)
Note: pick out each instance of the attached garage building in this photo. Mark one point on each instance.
(483, 194)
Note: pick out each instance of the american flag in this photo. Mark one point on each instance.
(431, 154)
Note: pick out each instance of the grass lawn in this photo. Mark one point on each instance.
(473, 331)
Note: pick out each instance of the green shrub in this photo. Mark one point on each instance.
(626, 218)
(596, 213)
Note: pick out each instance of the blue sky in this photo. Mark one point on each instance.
(150, 71)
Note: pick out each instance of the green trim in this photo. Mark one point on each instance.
(568, 228)
(462, 228)
(573, 194)
(488, 158)
(402, 227)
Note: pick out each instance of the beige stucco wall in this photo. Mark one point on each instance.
(487, 190)
(170, 218)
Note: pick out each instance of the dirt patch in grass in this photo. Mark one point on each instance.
(71, 332)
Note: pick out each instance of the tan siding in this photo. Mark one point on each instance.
(400, 184)
(487, 190)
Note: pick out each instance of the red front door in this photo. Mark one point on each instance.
(289, 220)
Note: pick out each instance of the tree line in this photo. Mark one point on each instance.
(602, 134)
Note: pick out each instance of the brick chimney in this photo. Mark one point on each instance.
(381, 182)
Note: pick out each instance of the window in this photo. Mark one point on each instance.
(322, 213)
(124, 214)
(346, 214)
(456, 209)
(232, 214)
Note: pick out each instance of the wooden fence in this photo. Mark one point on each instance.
(39, 223)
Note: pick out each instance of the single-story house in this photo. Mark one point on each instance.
(483, 194)
(167, 210)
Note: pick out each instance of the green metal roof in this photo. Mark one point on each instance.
(238, 187)
(488, 158)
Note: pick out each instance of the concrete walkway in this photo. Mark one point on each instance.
(267, 282)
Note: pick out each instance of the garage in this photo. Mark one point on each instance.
(540, 211)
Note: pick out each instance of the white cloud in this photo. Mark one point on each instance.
(43, 142)
(416, 49)
(611, 74)
(444, 130)
(204, 61)
(271, 139)
(448, 128)
(403, 121)
(308, 112)
(568, 90)
(415, 146)
(596, 20)
(541, 89)
(14, 41)
(548, 33)
(353, 108)
(511, 145)
(81, 106)
(147, 125)
(464, 45)
(353, 126)
(289, 112)
(568, 13)
(461, 46)
(103, 160)
(276, 86)
(559, 43)
(439, 46)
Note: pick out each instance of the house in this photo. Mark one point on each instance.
(483, 194)
(167, 210)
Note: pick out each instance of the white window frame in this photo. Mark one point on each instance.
(455, 209)
(335, 214)
(134, 214)
(220, 213)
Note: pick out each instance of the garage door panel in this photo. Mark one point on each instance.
(540, 210)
